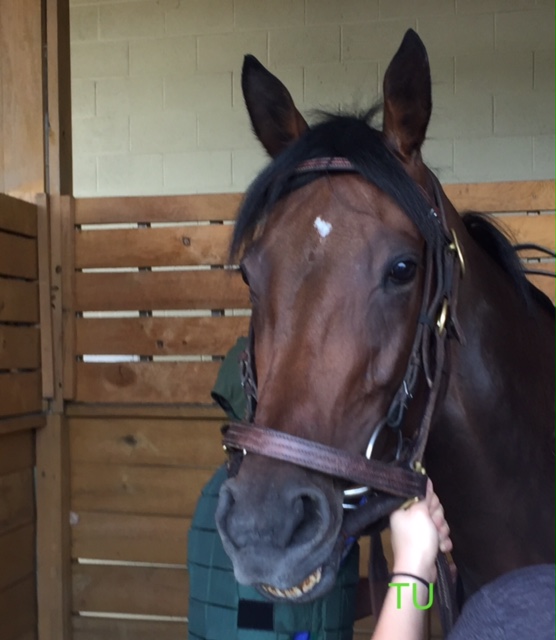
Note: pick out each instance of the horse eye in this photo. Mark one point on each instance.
(403, 272)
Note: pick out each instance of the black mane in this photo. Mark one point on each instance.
(492, 240)
(350, 137)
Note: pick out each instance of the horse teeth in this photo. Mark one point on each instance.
(295, 592)
(311, 581)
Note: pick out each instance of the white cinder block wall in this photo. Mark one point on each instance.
(157, 105)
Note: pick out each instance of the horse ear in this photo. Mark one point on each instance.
(276, 121)
(407, 97)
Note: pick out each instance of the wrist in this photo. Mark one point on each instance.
(424, 570)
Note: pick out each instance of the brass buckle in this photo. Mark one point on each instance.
(455, 246)
(443, 317)
(409, 503)
(419, 468)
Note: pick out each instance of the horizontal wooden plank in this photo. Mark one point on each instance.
(17, 555)
(18, 216)
(544, 283)
(165, 491)
(523, 195)
(89, 628)
(18, 610)
(18, 256)
(17, 452)
(20, 393)
(536, 229)
(160, 290)
(19, 347)
(131, 590)
(17, 501)
(146, 382)
(159, 336)
(31, 634)
(22, 423)
(129, 538)
(19, 301)
(494, 196)
(221, 206)
(144, 411)
(194, 443)
(148, 247)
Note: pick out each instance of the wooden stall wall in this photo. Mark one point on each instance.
(20, 415)
(155, 310)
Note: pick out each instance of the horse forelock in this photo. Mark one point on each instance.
(347, 136)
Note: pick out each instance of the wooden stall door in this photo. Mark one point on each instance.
(20, 415)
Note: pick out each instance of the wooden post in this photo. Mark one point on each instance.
(52, 447)
(53, 532)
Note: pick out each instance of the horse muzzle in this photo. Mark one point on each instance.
(280, 531)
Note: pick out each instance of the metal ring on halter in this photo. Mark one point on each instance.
(361, 491)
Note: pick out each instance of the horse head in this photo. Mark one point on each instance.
(340, 239)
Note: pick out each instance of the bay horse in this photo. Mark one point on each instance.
(377, 308)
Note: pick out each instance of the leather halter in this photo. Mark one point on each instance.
(405, 478)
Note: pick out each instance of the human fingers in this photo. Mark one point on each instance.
(436, 512)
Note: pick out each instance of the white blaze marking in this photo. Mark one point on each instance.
(323, 227)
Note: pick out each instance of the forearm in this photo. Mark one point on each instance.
(404, 612)
(405, 607)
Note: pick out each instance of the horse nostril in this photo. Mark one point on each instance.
(308, 519)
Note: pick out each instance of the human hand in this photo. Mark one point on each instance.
(417, 534)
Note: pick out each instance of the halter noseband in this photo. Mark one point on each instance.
(404, 478)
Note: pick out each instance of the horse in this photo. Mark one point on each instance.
(386, 328)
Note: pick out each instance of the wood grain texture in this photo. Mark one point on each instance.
(17, 500)
(22, 129)
(18, 216)
(17, 452)
(18, 256)
(193, 443)
(141, 490)
(135, 590)
(193, 412)
(130, 538)
(20, 393)
(17, 555)
(146, 382)
(222, 206)
(159, 336)
(67, 352)
(148, 247)
(160, 290)
(19, 301)
(523, 195)
(19, 347)
(47, 355)
(22, 423)
(53, 532)
(85, 628)
(18, 610)
(536, 229)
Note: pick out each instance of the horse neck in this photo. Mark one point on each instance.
(490, 449)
